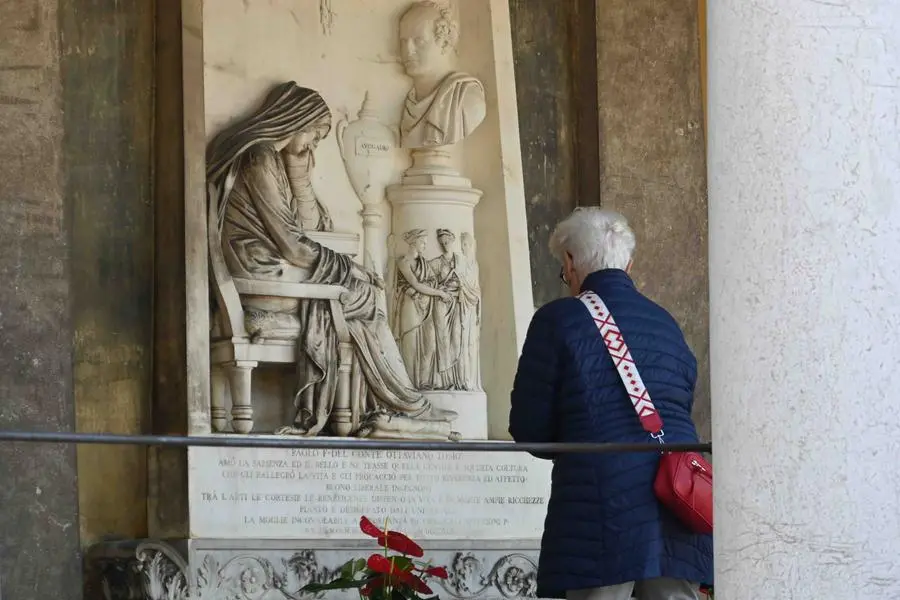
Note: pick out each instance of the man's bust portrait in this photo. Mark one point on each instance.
(443, 106)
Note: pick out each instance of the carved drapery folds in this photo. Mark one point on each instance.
(365, 367)
(351, 379)
(436, 312)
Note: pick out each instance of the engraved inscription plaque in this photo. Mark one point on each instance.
(320, 494)
(372, 147)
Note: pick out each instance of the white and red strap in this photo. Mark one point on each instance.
(621, 356)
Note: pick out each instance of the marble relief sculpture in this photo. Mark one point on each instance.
(447, 315)
(437, 313)
(258, 173)
(367, 148)
(414, 295)
(470, 301)
(444, 106)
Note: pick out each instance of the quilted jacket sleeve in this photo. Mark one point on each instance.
(532, 417)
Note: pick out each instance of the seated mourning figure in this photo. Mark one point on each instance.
(258, 173)
(444, 106)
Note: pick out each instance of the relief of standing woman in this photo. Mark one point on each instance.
(437, 313)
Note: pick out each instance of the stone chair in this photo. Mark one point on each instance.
(235, 351)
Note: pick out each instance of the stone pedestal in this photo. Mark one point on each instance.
(472, 422)
(432, 207)
(267, 521)
(273, 570)
(433, 195)
(804, 173)
(432, 199)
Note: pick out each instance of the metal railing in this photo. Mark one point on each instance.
(262, 441)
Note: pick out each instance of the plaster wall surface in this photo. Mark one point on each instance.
(804, 164)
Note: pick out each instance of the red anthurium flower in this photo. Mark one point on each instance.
(393, 540)
(398, 542)
(382, 564)
(369, 528)
(439, 572)
(417, 584)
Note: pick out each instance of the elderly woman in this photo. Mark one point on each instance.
(606, 537)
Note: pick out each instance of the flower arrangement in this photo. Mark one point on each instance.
(707, 591)
(385, 576)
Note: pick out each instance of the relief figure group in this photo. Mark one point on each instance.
(437, 312)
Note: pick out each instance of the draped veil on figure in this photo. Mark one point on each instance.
(412, 319)
(262, 239)
(448, 316)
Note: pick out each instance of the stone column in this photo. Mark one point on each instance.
(804, 220)
(434, 197)
(39, 524)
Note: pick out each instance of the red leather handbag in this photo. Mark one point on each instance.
(683, 482)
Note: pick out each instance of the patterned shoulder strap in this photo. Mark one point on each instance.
(621, 356)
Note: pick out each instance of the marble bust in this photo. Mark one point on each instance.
(444, 106)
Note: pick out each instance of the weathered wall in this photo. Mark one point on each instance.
(555, 61)
(610, 113)
(652, 157)
(39, 546)
(542, 52)
(107, 75)
(76, 86)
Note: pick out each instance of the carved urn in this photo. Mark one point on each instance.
(368, 148)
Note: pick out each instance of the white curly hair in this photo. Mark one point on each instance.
(446, 27)
(595, 239)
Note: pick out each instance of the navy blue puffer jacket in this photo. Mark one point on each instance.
(604, 525)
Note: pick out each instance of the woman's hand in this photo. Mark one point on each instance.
(368, 275)
(375, 279)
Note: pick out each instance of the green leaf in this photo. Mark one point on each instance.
(352, 567)
(338, 584)
(401, 562)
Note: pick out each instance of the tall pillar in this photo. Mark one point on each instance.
(39, 520)
(804, 223)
